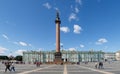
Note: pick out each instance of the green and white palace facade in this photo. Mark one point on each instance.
(67, 56)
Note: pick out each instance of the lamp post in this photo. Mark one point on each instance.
(40, 56)
(48, 57)
(91, 55)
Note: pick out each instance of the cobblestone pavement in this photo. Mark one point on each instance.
(109, 68)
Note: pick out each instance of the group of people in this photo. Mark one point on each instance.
(9, 66)
(38, 64)
(99, 65)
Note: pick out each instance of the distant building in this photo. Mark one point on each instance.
(67, 56)
(109, 56)
(117, 55)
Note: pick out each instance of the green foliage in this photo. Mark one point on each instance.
(18, 58)
(4, 58)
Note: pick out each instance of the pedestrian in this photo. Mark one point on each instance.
(38, 64)
(96, 65)
(100, 65)
(7, 64)
(12, 67)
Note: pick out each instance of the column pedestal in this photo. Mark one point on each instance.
(58, 58)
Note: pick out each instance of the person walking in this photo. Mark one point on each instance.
(101, 65)
(7, 64)
(12, 67)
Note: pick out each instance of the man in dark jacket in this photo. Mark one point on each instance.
(7, 64)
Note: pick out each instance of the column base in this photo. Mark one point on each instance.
(58, 58)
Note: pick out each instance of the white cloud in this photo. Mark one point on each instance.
(2, 50)
(61, 44)
(47, 5)
(72, 49)
(72, 17)
(77, 29)
(76, 9)
(56, 8)
(5, 36)
(101, 41)
(79, 1)
(23, 43)
(20, 52)
(65, 29)
(82, 46)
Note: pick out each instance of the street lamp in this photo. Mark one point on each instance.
(40, 55)
(48, 57)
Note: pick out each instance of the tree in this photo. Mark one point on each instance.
(18, 58)
(4, 58)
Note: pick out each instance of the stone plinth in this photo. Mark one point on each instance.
(58, 58)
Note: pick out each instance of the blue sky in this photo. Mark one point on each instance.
(85, 25)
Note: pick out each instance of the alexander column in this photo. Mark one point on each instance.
(58, 59)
